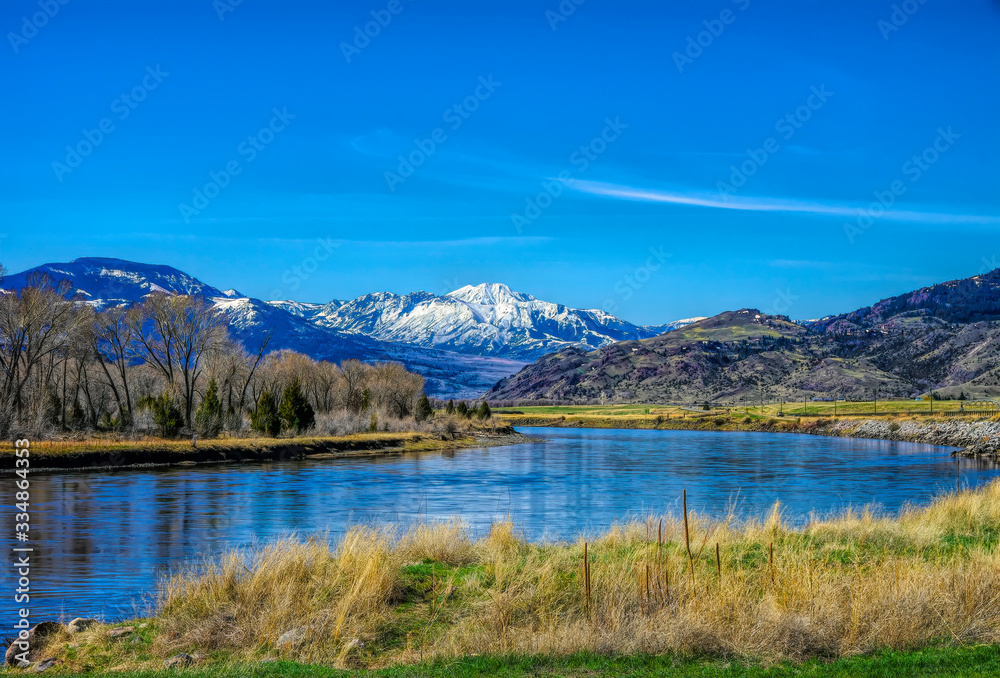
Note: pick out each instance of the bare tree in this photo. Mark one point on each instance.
(173, 334)
(114, 348)
(34, 325)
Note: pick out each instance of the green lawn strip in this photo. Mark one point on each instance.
(929, 663)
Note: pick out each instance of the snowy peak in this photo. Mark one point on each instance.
(484, 319)
(105, 281)
(490, 294)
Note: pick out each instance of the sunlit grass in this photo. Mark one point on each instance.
(855, 584)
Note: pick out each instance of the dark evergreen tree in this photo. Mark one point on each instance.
(208, 418)
(450, 408)
(166, 414)
(424, 410)
(265, 418)
(484, 411)
(295, 411)
(462, 410)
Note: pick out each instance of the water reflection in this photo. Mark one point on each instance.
(102, 538)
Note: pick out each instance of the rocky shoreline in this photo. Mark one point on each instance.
(975, 438)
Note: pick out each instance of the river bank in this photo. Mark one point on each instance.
(975, 438)
(686, 587)
(50, 456)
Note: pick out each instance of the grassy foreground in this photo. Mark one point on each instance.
(919, 593)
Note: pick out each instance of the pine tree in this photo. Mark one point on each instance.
(265, 418)
(450, 409)
(462, 410)
(366, 399)
(295, 411)
(484, 411)
(166, 415)
(424, 410)
(208, 418)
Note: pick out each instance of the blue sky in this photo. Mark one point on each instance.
(494, 100)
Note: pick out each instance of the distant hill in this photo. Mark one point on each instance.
(944, 336)
(962, 301)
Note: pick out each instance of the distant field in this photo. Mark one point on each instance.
(810, 409)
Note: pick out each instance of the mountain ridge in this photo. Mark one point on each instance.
(944, 337)
(438, 345)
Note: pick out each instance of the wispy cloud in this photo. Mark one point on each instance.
(757, 204)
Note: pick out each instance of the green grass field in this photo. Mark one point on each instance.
(967, 662)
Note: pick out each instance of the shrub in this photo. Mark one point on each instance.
(208, 418)
(295, 411)
(166, 414)
(719, 421)
(424, 410)
(265, 418)
(747, 420)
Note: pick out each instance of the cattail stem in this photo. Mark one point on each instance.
(586, 576)
(718, 561)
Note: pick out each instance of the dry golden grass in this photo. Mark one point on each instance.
(839, 587)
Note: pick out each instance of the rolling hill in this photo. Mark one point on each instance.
(945, 337)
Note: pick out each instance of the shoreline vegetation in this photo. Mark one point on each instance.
(974, 436)
(913, 594)
(103, 454)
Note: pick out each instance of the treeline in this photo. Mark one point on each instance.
(168, 365)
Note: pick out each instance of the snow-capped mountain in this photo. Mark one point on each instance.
(485, 319)
(462, 342)
(103, 281)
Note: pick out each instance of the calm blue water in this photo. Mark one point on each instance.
(102, 538)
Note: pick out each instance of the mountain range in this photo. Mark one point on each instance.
(462, 342)
(944, 337)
